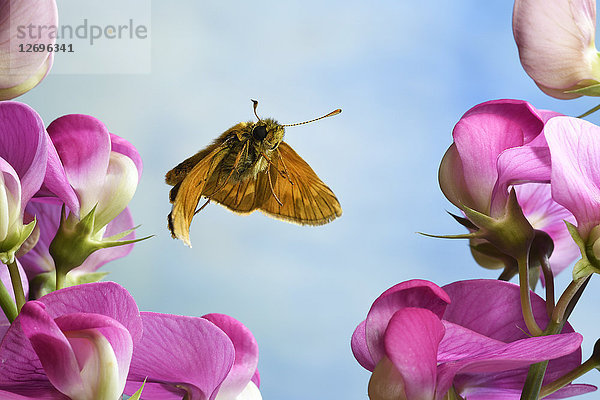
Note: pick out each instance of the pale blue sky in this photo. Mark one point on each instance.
(403, 73)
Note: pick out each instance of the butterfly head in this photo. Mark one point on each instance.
(267, 133)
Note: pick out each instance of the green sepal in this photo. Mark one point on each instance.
(45, 283)
(13, 244)
(120, 235)
(106, 244)
(461, 236)
(138, 393)
(583, 268)
(576, 238)
(464, 222)
(592, 90)
(511, 234)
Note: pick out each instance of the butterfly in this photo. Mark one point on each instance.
(249, 167)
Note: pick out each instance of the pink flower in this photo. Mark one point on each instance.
(499, 144)
(556, 45)
(73, 343)
(420, 341)
(21, 70)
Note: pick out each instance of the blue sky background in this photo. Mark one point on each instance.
(403, 73)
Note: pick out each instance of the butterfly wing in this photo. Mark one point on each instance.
(187, 192)
(305, 201)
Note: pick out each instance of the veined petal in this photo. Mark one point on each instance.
(575, 149)
(180, 354)
(411, 343)
(20, 71)
(465, 351)
(542, 30)
(413, 293)
(246, 355)
(83, 144)
(118, 189)
(23, 144)
(360, 348)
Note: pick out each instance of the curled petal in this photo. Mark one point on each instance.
(122, 146)
(360, 348)
(246, 355)
(83, 144)
(414, 293)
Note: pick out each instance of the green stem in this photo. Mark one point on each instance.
(15, 279)
(568, 299)
(7, 304)
(524, 291)
(60, 279)
(561, 382)
(533, 383)
(549, 280)
(593, 110)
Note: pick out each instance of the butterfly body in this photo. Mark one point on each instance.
(246, 168)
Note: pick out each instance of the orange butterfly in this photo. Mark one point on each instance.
(248, 168)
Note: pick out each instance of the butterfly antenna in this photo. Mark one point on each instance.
(331, 114)
(255, 105)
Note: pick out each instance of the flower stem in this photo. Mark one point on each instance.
(568, 299)
(7, 304)
(549, 280)
(524, 291)
(61, 277)
(533, 383)
(561, 382)
(17, 285)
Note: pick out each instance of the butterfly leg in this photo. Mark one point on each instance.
(284, 174)
(287, 175)
(271, 186)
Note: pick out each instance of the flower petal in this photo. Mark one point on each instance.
(53, 349)
(246, 355)
(360, 349)
(83, 144)
(23, 145)
(483, 133)
(411, 344)
(413, 293)
(171, 352)
(575, 149)
(542, 30)
(122, 146)
(20, 71)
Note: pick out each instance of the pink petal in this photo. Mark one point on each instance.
(20, 71)
(23, 145)
(246, 354)
(542, 30)
(451, 177)
(360, 348)
(178, 352)
(413, 293)
(411, 343)
(545, 214)
(122, 146)
(465, 351)
(575, 148)
(52, 348)
(483, 133)
(105, 298)
(83, 144)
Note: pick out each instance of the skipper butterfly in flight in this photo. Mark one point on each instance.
(249, 167)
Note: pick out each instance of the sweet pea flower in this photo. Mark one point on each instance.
(214, 357)
(25, 23)
(423, 342)
(498, 144)
(75, 343)
(94, 174)
(556, 42)
(23, 158)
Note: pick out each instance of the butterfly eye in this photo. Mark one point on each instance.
(259, 132)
